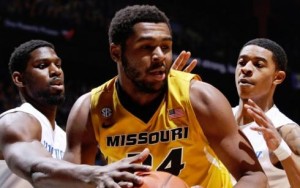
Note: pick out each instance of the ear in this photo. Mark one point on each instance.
(18, 79)
(279, 77)
(115, 52)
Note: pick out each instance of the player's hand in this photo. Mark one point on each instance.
(266, 127)
(181, 61)
(122, 173)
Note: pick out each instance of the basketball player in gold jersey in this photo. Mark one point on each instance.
(187, 124)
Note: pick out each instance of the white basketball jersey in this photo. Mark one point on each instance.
(277, 177)
(53, 140)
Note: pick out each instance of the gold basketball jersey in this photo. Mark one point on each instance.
(173, 134)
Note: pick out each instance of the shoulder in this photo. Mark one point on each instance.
(80, 111)
(81, 104)
(184, 76)
(105, 87)
(207, 100)
(14, 118)
(291, 135)
(206, 92)
(84, 98)
(278, 118)
(213, 110)
(290, 129)
(19, 126)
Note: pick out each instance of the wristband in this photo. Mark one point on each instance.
(283, 151)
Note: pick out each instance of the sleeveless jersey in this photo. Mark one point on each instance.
(277, 178)
(176, 141)
(53, 140)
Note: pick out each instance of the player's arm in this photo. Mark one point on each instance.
(289, 156)
(217, 121)
(291, 135)
(81, 142)
(20, 146)
(20, 135)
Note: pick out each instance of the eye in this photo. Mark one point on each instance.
(241, 62)
(42, 65)
(259, 64)
(58, 64)
(165, 47)
(147, 47)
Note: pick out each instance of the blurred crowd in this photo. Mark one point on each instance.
(55, 13)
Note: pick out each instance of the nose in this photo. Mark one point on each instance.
(54, 70)
(158, 54)
(247, 69)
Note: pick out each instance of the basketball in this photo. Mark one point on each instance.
(160, 179)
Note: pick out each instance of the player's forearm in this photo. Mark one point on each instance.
(58, 173)
(50, 181)
(292, 169)
(252, 180)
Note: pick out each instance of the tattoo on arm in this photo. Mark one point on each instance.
(291, 134)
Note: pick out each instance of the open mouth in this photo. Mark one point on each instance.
(158, 75)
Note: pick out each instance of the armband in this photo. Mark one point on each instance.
(283, 151)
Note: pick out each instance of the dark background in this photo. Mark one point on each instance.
(212, 30)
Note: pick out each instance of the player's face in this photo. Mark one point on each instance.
(148, 56)
(44, 77)
(255, 73)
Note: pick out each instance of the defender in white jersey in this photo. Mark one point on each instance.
(32, 144)
(54, 141)
(261, 67)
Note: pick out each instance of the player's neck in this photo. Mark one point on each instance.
(242, 116)
(264, 103)
(144, 112)
(137, 96)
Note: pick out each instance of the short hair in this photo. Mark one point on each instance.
(20, 56)
(121, 26)
(279, 54)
